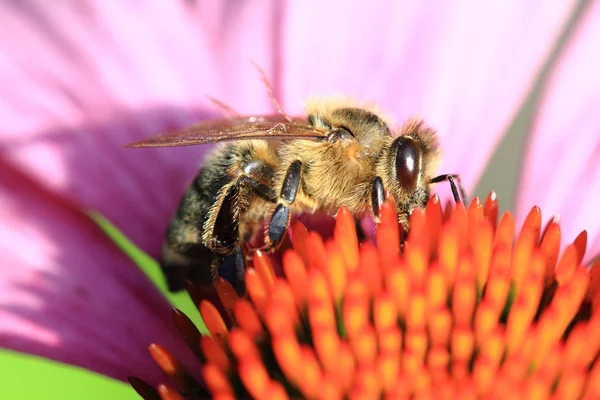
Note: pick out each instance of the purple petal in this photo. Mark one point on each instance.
(87, 77)
(562, 172)
(67, 293)
(462, 65)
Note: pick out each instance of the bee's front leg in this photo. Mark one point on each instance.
(377, 197)
(280, 220)
(451, 178)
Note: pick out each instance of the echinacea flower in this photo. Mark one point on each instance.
(81, 79)
(463, 310)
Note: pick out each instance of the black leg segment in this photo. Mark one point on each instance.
(377, 196)
(451, 179)
(280, 219)
(291, 182)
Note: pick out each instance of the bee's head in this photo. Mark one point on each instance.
(407, 165)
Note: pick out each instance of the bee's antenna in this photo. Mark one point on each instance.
(270, 92)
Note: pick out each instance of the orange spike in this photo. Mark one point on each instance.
(436, 289)
(415, 342)
(415, 316)
(390, 340)
(288, 355)
(311, 375)
(459, 221)
(321, 315)
(550, 246)
(255, 378)
(449, 253)
(481, 244)
(486, 319)
(364, 345)
(173, 368)
(593, 292)
(533, 223)
(326, 342)
(388, 237)
(567, 265)
(570, 385)
(505, 231)
(385, 314)
(525, 306)
(397, 283)
(490, 209)
(318, 287)
(592, 389)
(264, 269)
(440, 326)
(462, 344)
(345, 236)
(355, 308)
(216, 380)
(522, 254)
(438, 359)
(315, 250)
(335, 270)
(167, 393)
(388, 369)
(246, 317)
(211, 317)
(418, 236)
(278, 319)
(474, 217)
(276, 391)
(330, 389)
(227, 295)
(214, 353)
(369, 270)
(580, 244)
(433, 215)
(498, 284)
(367, 382)
(464, 297)
(299, 235)
(242, 345)
(297, 276)
(283, 296)
(256, 289)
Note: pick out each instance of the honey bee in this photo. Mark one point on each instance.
(338, 155)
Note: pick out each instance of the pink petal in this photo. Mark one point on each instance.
(463, 65)
(562, 172)
(87, 77)
(67, 293)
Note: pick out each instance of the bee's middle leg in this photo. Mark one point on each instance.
(280, 220)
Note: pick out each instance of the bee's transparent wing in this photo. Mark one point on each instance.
(273, 127)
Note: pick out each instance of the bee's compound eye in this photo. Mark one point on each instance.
(408, 161)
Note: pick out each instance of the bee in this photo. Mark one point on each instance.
(270, 167)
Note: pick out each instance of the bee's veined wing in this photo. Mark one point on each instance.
(273, 127)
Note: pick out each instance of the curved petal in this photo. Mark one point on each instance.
(67, 293)
(87, 77)
(463, 65)
(562, 170)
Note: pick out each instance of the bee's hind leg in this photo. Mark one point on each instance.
(232, 267)
(280, 220)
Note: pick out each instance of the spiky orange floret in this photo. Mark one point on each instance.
(461, 309)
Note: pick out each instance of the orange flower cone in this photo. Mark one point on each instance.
(461, 309)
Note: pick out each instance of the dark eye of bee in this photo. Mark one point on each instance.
(408, 161)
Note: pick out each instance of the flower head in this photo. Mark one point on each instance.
(461, 309)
